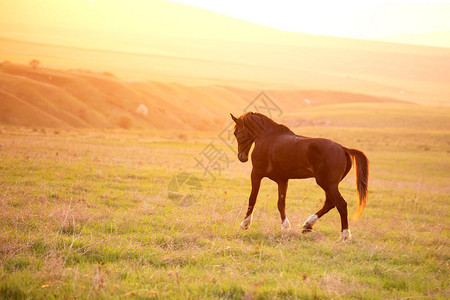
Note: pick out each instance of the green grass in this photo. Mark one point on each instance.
(85, 214)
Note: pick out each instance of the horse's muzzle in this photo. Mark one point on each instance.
(242, 157)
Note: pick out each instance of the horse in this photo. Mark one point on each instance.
(279, 154)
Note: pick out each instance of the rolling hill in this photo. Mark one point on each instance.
(410, 73)
(45, 97)
(189, 66)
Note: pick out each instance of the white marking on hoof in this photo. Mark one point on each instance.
(311, 221)
(286, 225)
(346, 235)
(246, 223)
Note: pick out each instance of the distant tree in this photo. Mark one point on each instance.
(34, 63)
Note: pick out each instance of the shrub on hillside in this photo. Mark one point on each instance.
(125, 122)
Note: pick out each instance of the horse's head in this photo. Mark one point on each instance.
(244, 138)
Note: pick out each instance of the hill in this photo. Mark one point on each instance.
(170, 42)
(84, 99)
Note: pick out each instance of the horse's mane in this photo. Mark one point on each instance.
(264, 123)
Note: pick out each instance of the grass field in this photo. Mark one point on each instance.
(86, 214)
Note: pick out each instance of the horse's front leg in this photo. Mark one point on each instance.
(282, 188)
(256, 183)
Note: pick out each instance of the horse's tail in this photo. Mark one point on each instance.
(362, 179)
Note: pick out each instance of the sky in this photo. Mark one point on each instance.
(406, 21)
(411, 21)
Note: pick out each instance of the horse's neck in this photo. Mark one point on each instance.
(260, 127)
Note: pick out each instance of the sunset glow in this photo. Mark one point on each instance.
(282, 44)
(147, 146)
(413, 21)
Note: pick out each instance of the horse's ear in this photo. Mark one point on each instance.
(234, 118)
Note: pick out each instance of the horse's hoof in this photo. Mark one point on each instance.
(246, 223)
(346, 236)
(286, 225)
(306, 228)
(243, 226)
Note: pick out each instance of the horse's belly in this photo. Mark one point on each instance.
(306, 173)
(289, 172)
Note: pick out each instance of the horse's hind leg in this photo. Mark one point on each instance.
(333, 199)
(327, 206)
(341, 206)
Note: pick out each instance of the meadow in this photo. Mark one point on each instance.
(85, 213)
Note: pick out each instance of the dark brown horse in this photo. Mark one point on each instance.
(280, 155)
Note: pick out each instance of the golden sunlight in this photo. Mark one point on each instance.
(215, 42)
(410, 21)
(123, 125)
